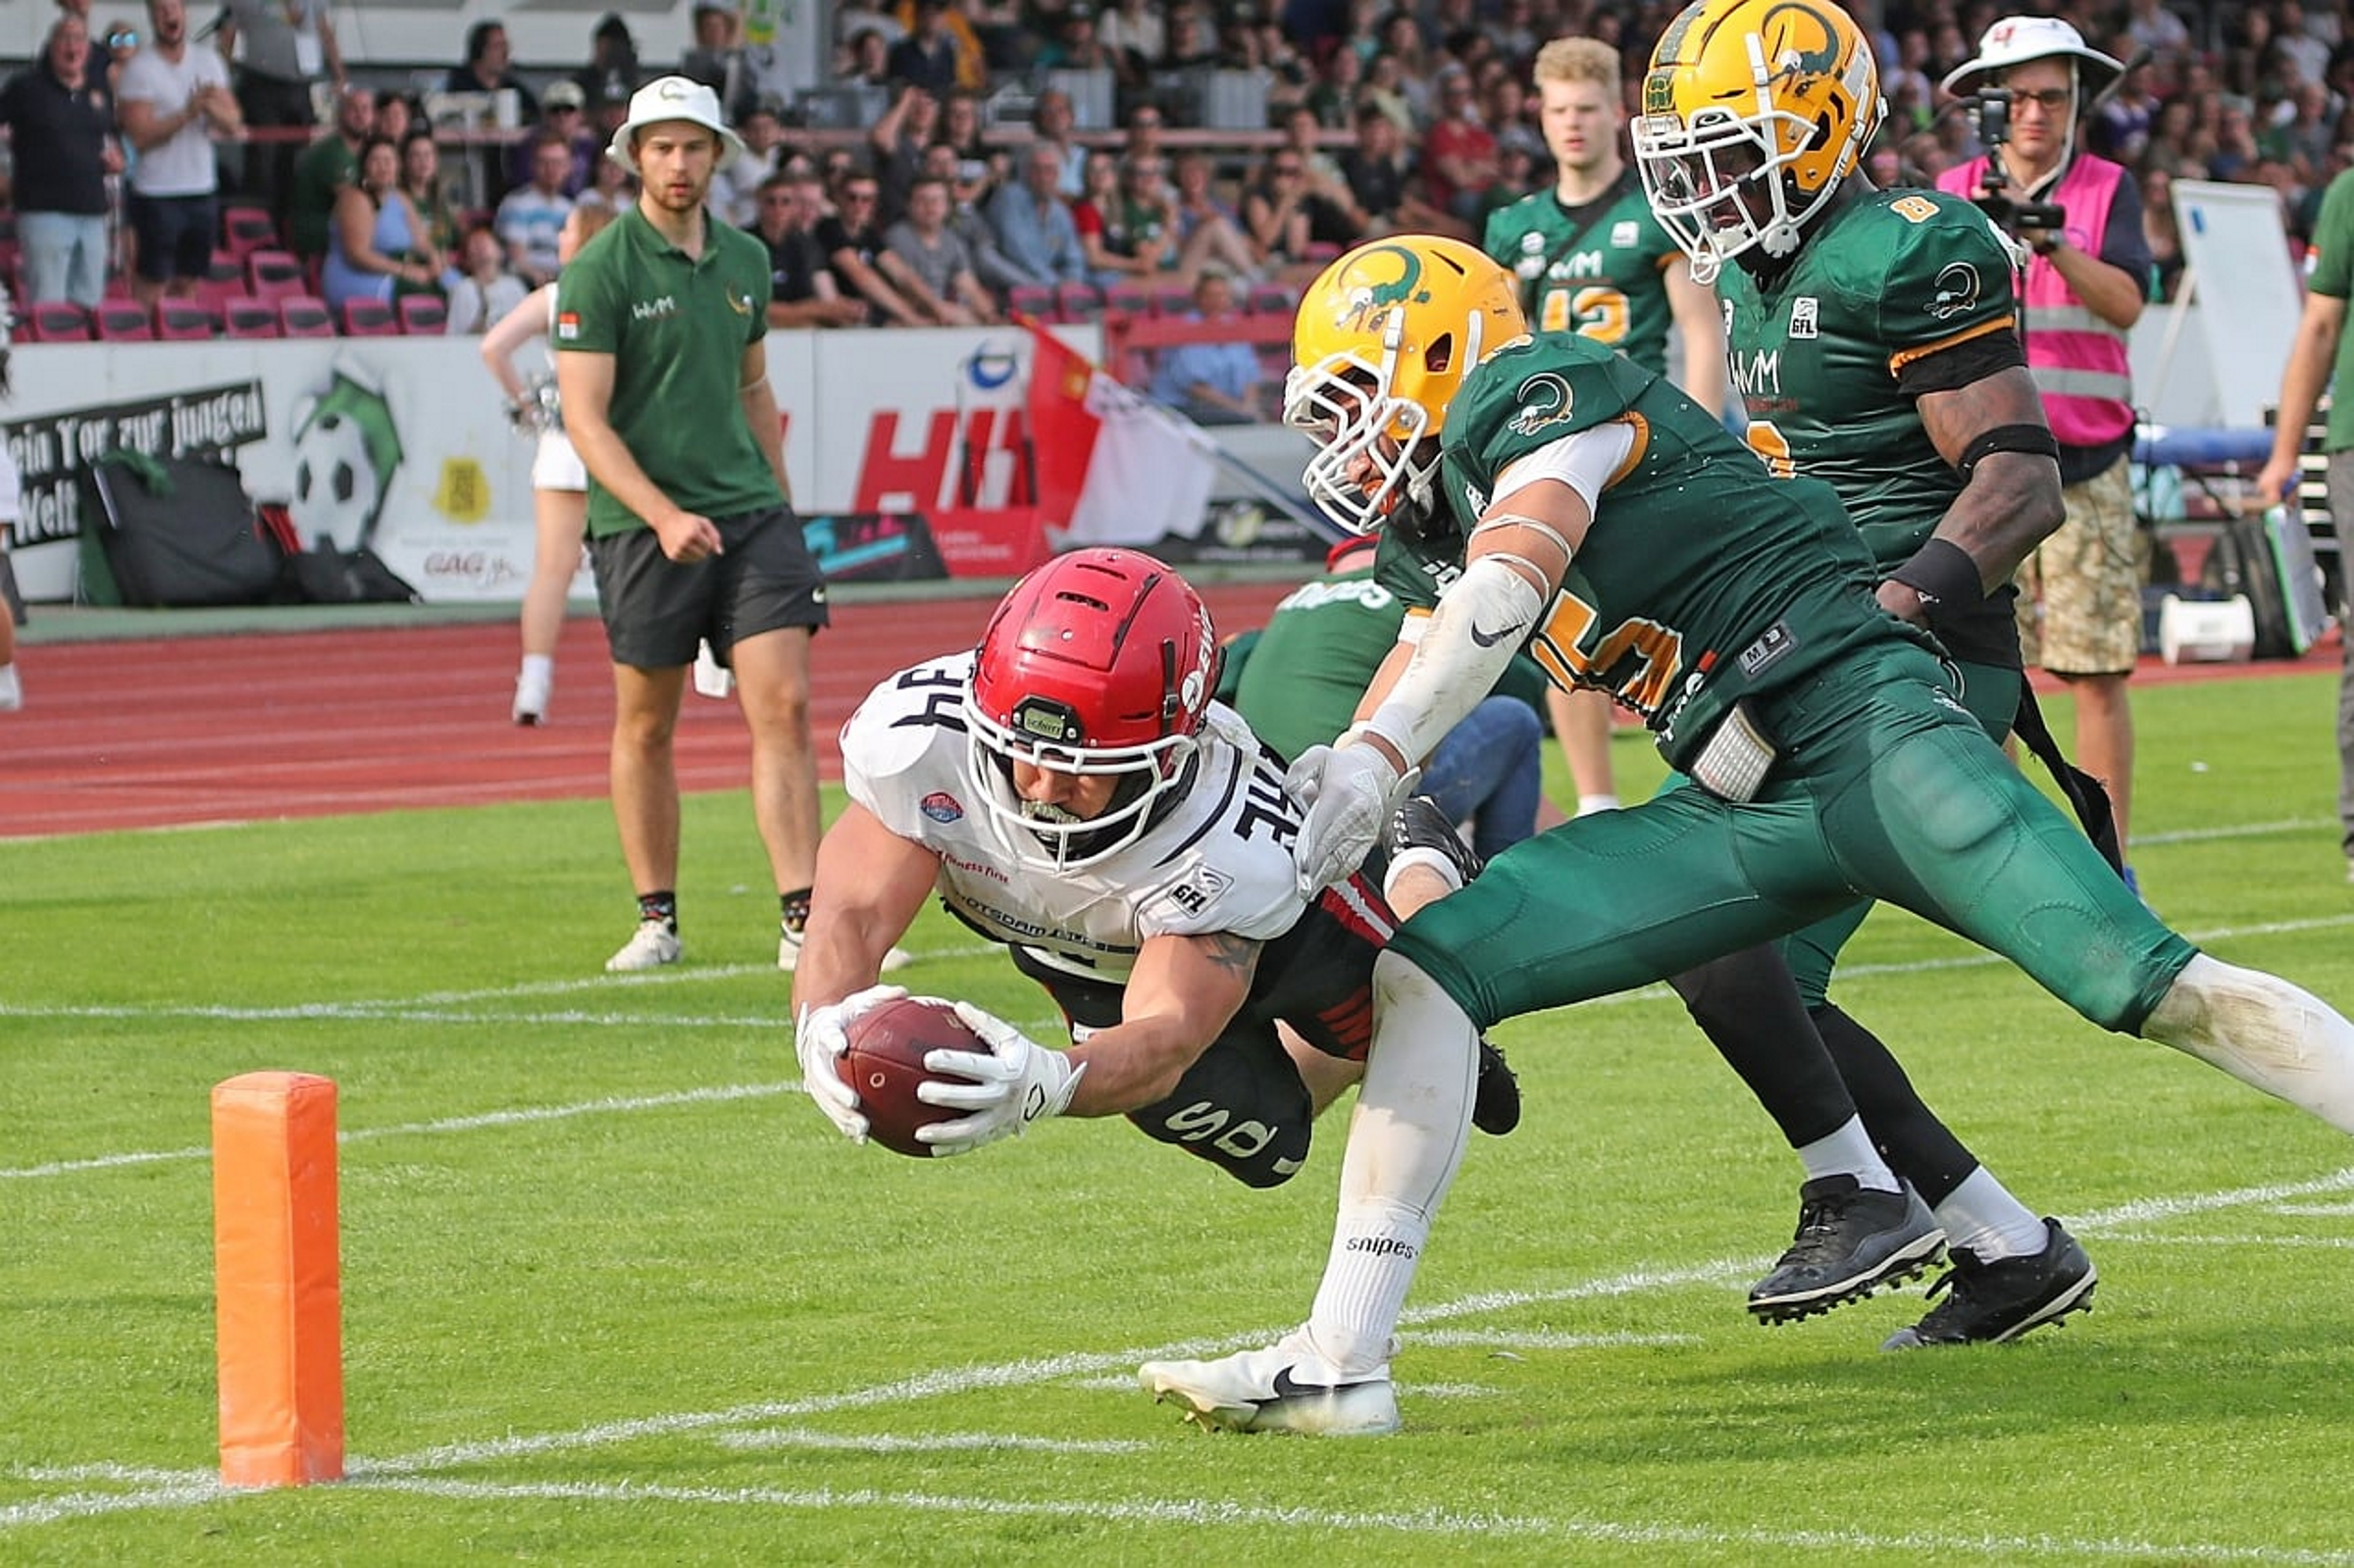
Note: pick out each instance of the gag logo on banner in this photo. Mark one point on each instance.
(52, 449)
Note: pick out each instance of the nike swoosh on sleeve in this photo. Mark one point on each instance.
(1489, 639)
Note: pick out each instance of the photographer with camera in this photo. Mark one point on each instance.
(2079, 218)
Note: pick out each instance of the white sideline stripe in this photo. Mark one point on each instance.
(2162, 1239)
(945, 1442)
(1508, 1340)
(402, 1471)
(449, 1124)
(377, 1010)
(1417, 1521)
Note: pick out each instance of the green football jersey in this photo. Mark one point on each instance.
(1702, 580)
(1814, 352)
(1604, 278)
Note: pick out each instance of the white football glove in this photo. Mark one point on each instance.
(1349, 791)
(821, 1036)
(1013, 1083)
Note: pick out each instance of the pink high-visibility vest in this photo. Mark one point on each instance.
(2077, 359)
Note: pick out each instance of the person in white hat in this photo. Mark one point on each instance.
(2086, 277)
(660, 334)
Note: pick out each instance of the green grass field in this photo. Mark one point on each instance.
(613, 1292)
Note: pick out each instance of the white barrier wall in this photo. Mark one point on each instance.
(402, 443)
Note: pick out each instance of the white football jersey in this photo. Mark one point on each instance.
(1219, 861)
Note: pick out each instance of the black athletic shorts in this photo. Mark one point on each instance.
(174, 234)
(656, 609)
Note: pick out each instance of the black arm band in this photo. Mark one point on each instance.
(1941, 572)
(2033, 439)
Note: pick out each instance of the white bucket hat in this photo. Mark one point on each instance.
(2015, 40)
(673, 98)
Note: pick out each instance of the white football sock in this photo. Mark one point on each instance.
(1848, 1151)
(1405, 1139)
(539, 667)
(2264, 1032)
(1982, 1217)
(1587, 805)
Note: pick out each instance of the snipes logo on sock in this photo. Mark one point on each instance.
(1381, 1246)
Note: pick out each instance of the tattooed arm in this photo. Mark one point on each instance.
(1181, 995)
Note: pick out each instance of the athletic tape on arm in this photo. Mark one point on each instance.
(1481, 623)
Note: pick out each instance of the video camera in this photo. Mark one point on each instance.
(1990, 111)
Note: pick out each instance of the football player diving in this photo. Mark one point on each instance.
(1070, 789)
(1549, 494)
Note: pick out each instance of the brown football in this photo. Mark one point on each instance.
(885, 1065)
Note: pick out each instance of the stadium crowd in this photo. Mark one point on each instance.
(915, 187)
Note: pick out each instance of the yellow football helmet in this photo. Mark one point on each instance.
(1753, 112)
(1382, 342)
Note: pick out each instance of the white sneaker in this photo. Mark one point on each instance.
(533, 688)
(789, 953)
(1285, 1387)
(653, 945)
(12, 690)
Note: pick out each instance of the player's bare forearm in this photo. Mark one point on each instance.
(1181, 993)
(870, 885)
(2010, 502)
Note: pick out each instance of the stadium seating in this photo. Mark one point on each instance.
(273, 275)
(1078, 301)
(1172, 299)
(1034, 300)
(423, 315)
(225, 278)
(305, 316)
(370, 317)
(55, 321)
(245, 316)
(124, 321)
(1272, 299)
(248, 227)
(180, 320)
(1129, 299)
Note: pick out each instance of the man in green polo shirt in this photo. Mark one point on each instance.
(661, 362)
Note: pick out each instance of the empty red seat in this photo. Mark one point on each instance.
(370, 317)
(56, 321)
(273, 275)
(245, 316)
(305, 316)
(423, 315)
(183, 320)
(248, 227)
(124, 321)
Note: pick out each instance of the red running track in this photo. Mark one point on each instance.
(171, 731)
(177, 730)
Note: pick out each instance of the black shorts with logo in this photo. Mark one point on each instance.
(656, 609)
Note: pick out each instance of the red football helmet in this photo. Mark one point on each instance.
(1100, 662)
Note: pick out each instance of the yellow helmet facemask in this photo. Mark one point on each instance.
(1753, 112)
(1381, 344)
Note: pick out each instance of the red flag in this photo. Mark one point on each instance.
(1062, 428)
(1112, 468)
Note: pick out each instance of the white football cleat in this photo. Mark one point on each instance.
(653, 945)
(1288, 1386)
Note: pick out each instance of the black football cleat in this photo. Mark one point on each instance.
(1988, 1303)
(1419, 823)
(1851, 1240)
(1495, 1095)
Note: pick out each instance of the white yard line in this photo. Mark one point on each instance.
(437, 1008)
(745, 1426)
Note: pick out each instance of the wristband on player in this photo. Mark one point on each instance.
(1941, 572)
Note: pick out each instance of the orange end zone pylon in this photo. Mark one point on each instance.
(277, 1279)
